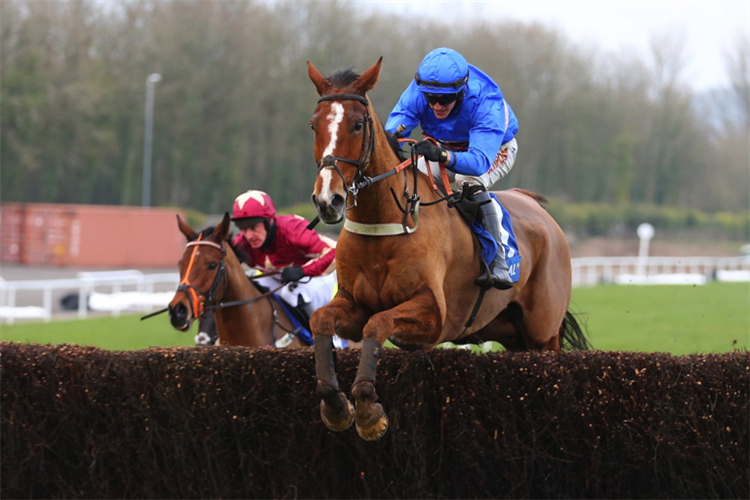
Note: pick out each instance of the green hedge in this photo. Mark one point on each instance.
(591, 219)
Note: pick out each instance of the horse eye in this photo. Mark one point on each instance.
(212, 266)
(358, 126)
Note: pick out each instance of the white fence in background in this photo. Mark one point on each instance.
(118, 291)
(113, 291)
(589, 271)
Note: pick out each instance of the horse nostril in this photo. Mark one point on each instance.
(315, 202)
(178, 314)
(338, 202)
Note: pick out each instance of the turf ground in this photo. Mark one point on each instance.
(679, 320)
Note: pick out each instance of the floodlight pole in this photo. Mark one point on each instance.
(147, 138)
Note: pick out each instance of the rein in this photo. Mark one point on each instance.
(290, 332)
(222, 305)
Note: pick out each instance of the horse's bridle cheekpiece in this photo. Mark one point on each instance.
(368, 144)
(200, 300)
(361, 181)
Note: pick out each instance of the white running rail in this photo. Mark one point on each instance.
(136, 289)
(590, 271)
(131, 289)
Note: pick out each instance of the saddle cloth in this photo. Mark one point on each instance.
(298, 322)
(508, 237)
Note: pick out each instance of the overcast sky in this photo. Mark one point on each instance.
(708, 28)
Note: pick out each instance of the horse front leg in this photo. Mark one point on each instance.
(418, 322)
(336, 411)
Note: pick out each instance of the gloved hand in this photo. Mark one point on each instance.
(431, 151)
(293, 273)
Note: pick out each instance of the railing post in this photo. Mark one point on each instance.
(47, 304)
(83, 299)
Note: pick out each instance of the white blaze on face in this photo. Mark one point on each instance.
(335, 117)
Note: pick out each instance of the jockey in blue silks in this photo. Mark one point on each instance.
(462, 108)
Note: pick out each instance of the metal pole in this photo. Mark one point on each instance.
(147, 138)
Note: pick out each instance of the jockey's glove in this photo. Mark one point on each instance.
(431, 151)
(293, 273)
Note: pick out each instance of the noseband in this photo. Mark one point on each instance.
(368, 143)
(199, 300)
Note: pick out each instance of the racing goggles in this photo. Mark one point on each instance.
(442, 99)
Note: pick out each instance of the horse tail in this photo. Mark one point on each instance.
(536, 197)
(572, 335)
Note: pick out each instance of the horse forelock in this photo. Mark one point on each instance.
(343, 78)
(205, 233)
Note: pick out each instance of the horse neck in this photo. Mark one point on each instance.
(248, 325)
(375, 203)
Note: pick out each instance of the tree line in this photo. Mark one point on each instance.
(232, 109)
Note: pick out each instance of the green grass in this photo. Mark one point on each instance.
(677, 319)
(712, 318)
(121, 333)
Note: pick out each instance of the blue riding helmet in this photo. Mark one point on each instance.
(443, 71)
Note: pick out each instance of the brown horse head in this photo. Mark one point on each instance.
(202, 272)
(344, 135)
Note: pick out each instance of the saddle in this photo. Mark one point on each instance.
(465, 202)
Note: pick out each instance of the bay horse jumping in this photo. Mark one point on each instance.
(407, 274)
(212, 278)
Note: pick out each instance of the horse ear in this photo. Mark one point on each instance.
(185, 229)
(222, 230)
(369, 78)
(321, 83)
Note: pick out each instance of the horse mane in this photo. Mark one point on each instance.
(343, 77)
(395, 145)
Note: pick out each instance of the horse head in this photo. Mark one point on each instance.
(344, 138)
(202, 272)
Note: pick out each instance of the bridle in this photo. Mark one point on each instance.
(329, 162)
(361, 181)
(201, 300)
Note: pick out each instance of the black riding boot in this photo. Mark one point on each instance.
(498, 276)
(305, 307)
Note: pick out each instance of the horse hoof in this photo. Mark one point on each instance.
(372, 427)
(337, 421)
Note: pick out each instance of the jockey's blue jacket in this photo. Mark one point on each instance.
(483, 121)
